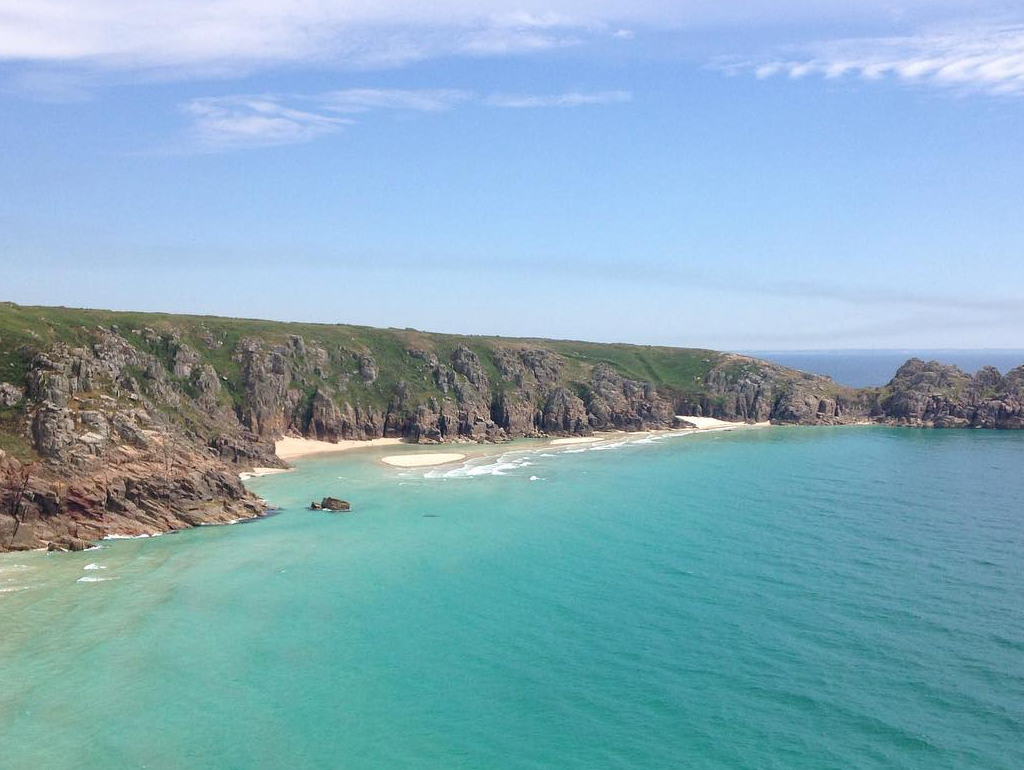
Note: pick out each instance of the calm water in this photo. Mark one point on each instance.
(788, 598)
(874, 368)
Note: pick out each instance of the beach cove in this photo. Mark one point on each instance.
(531, 608)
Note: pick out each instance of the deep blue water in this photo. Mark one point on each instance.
(874, 368)
(787, 598)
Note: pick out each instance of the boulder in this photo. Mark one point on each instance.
(367, 368)
(10, 394)
(330, 504)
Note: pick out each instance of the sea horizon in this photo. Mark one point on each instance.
(875, 367)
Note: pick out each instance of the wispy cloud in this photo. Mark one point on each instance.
(231, 37)
(237, 36)
(242, 122)
(246, 122)
(355, 100)
(978, 59)
(571, 99)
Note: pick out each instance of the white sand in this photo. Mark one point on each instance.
(706, 423)
(291, 448)
(257, 472)
(421, 459)
(575, 440)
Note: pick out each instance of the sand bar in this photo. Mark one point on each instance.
(291, 448)
(423, 459)
(575, 440)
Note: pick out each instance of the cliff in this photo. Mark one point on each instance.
(942, 396)
(134, 423)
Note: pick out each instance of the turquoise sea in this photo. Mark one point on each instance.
(787, 598)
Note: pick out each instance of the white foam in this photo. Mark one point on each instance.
(128, 537)
(94, 566)
(603, 447)
(501, 466)
(89, 579)
(513, 460)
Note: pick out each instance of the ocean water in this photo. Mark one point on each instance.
(788, 598)
(875, 368)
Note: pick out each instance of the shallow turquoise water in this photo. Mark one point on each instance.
(790, 598)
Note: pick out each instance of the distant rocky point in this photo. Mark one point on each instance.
(138, 423)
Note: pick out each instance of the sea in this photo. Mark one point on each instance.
(875, 368)
(787, 598)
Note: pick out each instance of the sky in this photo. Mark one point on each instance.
(736, 175)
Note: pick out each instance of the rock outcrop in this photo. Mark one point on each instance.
(742, 388)
(134, 493)
(331, 504)
(943, 396)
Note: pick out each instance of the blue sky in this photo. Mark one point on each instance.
(747, 175)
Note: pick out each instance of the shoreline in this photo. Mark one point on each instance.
(291, 448)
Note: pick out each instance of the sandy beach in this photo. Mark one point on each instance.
(422, 460)
(291, 448)
(707, 423)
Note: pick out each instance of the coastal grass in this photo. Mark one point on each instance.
(25, 330)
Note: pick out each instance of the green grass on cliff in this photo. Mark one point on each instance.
(27, 330)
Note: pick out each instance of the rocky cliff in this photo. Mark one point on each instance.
(942, 396)
(135, 423)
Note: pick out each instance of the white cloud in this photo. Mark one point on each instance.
(241, 122)
(985, 59)
(245, 122)
(571, 99)
(240, 34)
(226, 36)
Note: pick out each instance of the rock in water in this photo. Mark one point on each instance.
(331, 504)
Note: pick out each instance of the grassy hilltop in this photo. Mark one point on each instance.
(677, 373)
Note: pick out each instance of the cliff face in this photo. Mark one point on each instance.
(137, 423)
(119, 446)
(741, 388)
